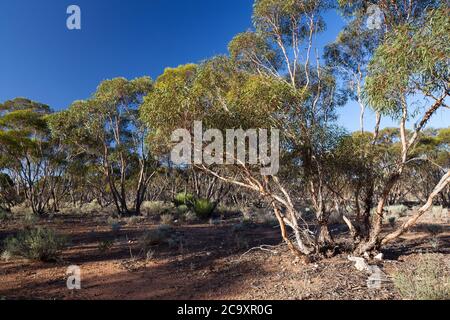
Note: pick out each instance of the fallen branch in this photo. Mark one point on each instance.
(445, 181)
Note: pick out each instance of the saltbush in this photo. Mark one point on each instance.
(428, 279)
(167, 219)
(156, 237)
(39, 243)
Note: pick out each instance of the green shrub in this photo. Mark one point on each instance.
(184, 199)
(35, 244)
(183, 209)
(203, 209)
(428, 279)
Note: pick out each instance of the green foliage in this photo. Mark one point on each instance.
(203, 208)
(251, 50)
(428, 280)
(184, 199)
(35, 244)
(107, 128)
(182, 209)
(413, 59)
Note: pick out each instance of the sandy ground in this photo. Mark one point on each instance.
(211, 262)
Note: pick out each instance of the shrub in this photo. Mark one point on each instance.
(150, 208)
(167, 219)
(182, 209)
(428, 279)
(266, 217)
(132, 221)
(156, 237)
(398, 211)
(105, 245)
(189, 217)
(184, 199)
(29, 220)
(392, 221)
(439, 212)
(35, 244)
(203, 209)
(115, 224)
(90, 208)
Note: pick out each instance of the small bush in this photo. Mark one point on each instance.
(132, 221)
(35, 244)
(398, 211)
(115, 224)
(266, 217)
(392, 221)
(184, 199)
(105, 245)
(428, 280)
(167, 219)
(90, 208)
(155, 237)
(29, 220)
(154, 208)
(189, 217)
(439, 212)
(203, 209)
(182, 209)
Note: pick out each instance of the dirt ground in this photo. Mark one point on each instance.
(211, 262)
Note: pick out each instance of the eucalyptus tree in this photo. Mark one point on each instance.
(412, 62)
(223, 97)
(27, 151)
(108, 129)
(282, 47)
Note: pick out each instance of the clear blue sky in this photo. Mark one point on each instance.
(44, 61)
